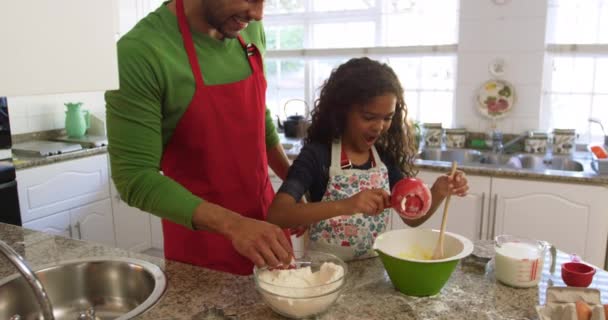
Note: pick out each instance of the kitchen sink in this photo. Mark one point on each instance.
(497, 160)
(540, 163)
(521, 161)
(109, 288)
(461, 156)
(565, 164)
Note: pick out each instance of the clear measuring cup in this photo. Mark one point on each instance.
(519, 261)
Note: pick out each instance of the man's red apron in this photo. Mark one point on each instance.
(218, 152)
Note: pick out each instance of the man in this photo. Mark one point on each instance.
(191, 104)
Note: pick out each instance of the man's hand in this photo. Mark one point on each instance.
(263, 243)
(370, 202)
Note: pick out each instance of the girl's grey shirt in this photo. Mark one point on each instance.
(310, 172)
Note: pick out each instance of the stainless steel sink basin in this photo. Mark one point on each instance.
(496, 159)
(526, 161)
(461, 156)
(540, 163)
(520, 161)
(108, 288)
(566, 164)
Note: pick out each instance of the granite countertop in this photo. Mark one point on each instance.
(588, 176)
(22, 162)
(293, 146)
(197, 293)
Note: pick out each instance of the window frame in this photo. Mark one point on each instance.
(376, 14)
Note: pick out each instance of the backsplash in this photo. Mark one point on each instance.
(42, 113)
(513, 32)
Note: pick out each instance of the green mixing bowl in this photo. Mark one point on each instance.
(406, 255)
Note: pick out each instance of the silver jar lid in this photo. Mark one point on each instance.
(455, 131)
(569, 132)
(432, 125)
(538, 135)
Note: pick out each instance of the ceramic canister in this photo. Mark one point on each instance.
(432, 133)
(455, 138)
(536, 143)
(564, 141)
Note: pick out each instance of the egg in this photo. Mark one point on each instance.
(583, 311)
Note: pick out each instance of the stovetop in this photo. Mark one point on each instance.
(41, 148)
(88, 141)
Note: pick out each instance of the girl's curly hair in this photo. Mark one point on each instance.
(357, 82)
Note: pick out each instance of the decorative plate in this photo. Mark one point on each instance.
(495, 98)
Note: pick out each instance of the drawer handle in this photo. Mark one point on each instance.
(494, 216)
(77, 226)
(483, 203)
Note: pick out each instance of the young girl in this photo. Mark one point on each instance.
(355, 152)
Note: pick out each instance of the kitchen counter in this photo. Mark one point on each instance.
(293, 147)
(22, 162)
(197, 293)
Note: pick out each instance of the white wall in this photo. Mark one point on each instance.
(47, 112)
(41, 113)
(515, 32)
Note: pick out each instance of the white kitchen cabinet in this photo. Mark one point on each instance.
(57, 187)
(156, 232)
(132, 226)
(466, 215)
(69, 198)
(57, 224)
(94, 222)
(570, 216)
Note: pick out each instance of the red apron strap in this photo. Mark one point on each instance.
(188, 43)
(345, 161)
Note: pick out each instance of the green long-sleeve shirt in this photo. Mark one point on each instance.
(156, 86)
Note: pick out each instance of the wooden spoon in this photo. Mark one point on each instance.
(438, 253)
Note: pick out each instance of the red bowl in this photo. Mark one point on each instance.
(576, 274)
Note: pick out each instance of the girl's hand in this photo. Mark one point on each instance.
(457, 185)
(369, 202)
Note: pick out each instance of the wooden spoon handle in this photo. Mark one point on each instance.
(438, 254)
(447, 202)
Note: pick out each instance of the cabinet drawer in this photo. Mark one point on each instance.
(58, 187)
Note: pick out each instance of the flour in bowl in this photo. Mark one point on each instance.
(301, 292)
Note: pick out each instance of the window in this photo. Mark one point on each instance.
(307, 39)
(577, 80)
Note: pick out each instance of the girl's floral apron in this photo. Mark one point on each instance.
(351, 236)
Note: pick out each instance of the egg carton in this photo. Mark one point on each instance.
(561, 303)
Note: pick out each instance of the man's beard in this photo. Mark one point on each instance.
(217, 25)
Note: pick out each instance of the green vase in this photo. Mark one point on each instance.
(76, 120)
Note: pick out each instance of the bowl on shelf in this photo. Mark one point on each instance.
(577, 274)
(406, 255)
(305, 291)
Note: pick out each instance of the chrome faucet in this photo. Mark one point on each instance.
(498, 146)
(598, 121)
(33, 281)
